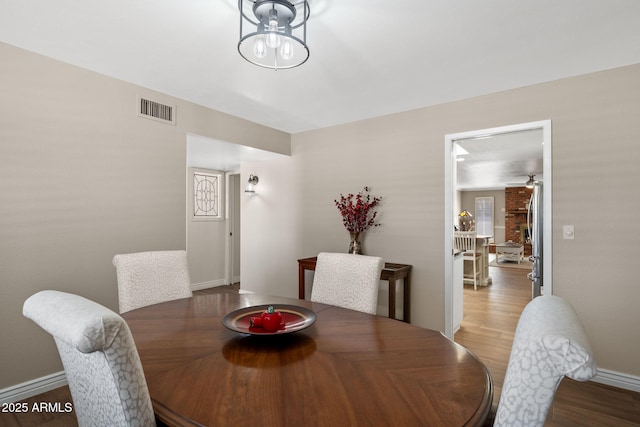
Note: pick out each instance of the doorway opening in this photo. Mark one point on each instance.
(492, 159)
(214, 247)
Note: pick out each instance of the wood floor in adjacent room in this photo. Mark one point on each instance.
(491, 315)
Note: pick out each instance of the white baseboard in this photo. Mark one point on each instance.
(617, 379)
(206, 285)
(32, 388)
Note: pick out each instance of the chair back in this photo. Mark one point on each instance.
(99, 356)
(347, 280)
(147, 278)
(549, 343)
(465, 241)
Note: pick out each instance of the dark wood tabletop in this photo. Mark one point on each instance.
(348, 368)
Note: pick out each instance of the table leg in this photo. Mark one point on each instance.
(392, 298)
(301, 283)
(407, 299)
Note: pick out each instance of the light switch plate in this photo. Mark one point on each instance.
(568, 232)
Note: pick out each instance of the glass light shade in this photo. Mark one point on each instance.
(273, 38)
(251, 185)
(273, 32)
(286, 50)
(260, 47)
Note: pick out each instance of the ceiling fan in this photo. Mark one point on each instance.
(529, 180)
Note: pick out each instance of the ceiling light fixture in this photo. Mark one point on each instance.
(273, 33)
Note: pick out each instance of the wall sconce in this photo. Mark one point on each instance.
(251, 186)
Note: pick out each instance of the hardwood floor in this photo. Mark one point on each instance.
(490, 318)
(491, 315)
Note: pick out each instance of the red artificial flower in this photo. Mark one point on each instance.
(356, 210)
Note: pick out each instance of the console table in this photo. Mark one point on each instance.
(391, 273)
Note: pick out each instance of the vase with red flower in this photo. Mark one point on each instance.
(357, 216)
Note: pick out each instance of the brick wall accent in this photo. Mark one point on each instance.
(516, 200)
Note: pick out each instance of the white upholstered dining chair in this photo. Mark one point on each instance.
(347, 280)
(146, 278)
(99, 356)
(549, 344)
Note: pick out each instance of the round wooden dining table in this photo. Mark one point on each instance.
(347, 369)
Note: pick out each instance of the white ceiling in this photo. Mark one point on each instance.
(207, 153)
(368, 57)
(501, 160)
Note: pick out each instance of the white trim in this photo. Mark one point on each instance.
(449, 180)
(32, 388)
(618, 379)
(232, 194)
(228, 227)
(206, 285)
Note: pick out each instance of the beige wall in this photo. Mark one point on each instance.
(595, 167)
(81, 179)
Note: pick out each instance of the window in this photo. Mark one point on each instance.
(484, 216)
(207, 195)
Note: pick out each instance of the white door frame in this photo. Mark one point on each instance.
(450, 190)
(232, 193)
